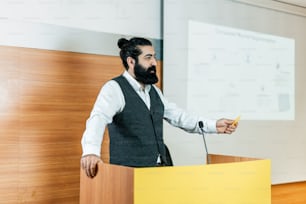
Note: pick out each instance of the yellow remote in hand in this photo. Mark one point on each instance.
(236, 121)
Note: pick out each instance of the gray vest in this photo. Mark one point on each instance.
(136, 134)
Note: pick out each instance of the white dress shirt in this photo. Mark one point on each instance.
(110, 101)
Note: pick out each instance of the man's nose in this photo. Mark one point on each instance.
(154, 62)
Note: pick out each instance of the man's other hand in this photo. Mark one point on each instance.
(89, 164)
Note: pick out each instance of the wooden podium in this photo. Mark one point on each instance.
(228, 179)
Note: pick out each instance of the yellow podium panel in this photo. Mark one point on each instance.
(231, 183)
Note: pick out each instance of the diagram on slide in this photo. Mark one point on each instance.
(238, 72)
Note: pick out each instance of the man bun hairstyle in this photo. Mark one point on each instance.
(130, 48)
(122, 42)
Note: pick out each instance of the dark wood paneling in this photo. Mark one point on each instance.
(45, 99)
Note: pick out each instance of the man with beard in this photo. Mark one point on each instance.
(133, 109)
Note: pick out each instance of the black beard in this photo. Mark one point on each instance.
(145, 76)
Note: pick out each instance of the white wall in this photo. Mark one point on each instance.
(281, 141)
(64, 24)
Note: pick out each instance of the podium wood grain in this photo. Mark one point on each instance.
(112, 185)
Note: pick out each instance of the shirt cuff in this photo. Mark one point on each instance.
(211, 126)
(91, 149)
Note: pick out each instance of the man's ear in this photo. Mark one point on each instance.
(130, 62)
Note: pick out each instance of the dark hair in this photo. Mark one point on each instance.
(129, 48)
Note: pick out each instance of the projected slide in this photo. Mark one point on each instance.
(235, 72)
